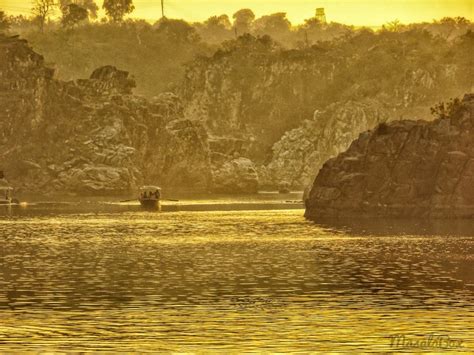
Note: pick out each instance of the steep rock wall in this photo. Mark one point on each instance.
(300, 153)
(262, 96)
(92, 136)
(402, 169)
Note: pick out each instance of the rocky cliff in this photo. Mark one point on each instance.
(240, 121)
(300, 153)
(260, 99)
(251, 91)
(91, 136)
(403, 169)
(248, 95)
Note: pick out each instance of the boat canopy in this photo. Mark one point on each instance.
(150, 188)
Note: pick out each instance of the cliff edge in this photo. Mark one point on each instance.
(91, 136)
(403, 169)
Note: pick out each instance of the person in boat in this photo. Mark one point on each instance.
(151, 193)
(150, 197)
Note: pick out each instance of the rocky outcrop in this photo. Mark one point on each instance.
(403, 169)
(263, 97)
(92, 136)
(242, 118)
(253, 92)
(300, 153)
(236, 176)
(109, 80)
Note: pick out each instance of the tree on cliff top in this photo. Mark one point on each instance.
(73, 14)
(117, 9)
(243, 20)
(4, 22)
(41, 10)
(313, 31)
(89, 5)
(453, 108)
(176, 31)
(215, 29)
(275, 25)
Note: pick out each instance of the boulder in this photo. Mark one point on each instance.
(97, 179)
(112, 80)
(236, 176)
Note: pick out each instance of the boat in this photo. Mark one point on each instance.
(150, 197)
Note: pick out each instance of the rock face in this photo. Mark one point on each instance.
(300, 153)
(92, 136)
(259, 98)
(403, 169)
(236, 176)
(242, 120)
(251, 90)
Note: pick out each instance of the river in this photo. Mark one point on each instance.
(253, 276)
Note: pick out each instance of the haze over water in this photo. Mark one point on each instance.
(121, 279)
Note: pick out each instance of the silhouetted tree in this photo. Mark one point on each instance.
(243, 20)
(215, 29)
(313, 30)
(393, 26)
(177, 30)
(73, 14)
(221, 21)
(453, 108)
(449, 27)
(362, 62)
(117, 9)
(89, 5)
(275, 25)
(41, 10)
(248, 43)
(4, 22)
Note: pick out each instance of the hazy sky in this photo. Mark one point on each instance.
(357, 12)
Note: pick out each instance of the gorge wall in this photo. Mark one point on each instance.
(91, 136)
(288, 111)
(402, 169)
(300, 153)
(252, 116)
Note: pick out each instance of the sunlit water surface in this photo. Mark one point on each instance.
(229, 281)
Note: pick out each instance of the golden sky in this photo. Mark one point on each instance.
(356, 12)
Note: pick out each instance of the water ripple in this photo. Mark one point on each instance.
(229, 282)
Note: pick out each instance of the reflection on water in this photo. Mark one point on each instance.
(262, 280)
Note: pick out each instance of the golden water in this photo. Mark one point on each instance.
(229, 281)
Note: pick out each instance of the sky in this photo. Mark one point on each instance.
(353, 12)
